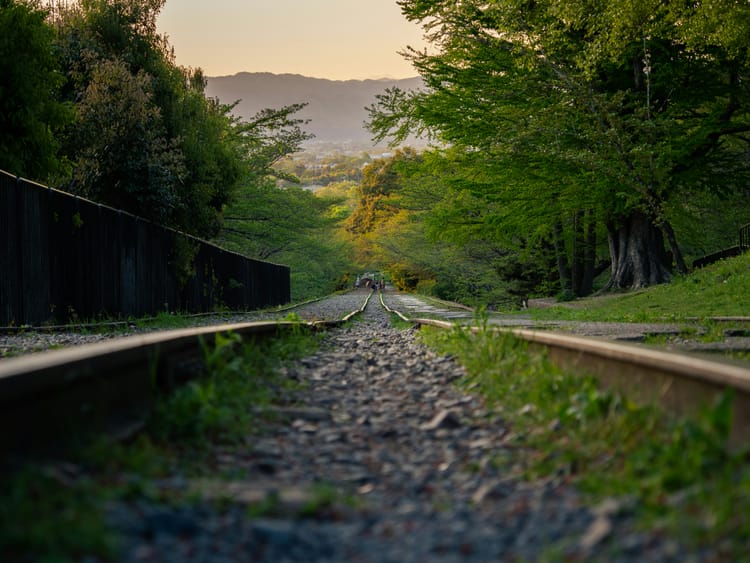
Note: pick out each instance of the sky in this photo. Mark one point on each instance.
(334, 39)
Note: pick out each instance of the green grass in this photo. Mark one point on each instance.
(398, 323)
(214, 409)
(719, 290)
(53, 512)
(165, 321)
(676, 473)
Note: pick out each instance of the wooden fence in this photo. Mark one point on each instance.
(65, 258)
(743, 246)
(745, 237)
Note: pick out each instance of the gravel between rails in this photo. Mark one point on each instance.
(409, 458)
(30, 341)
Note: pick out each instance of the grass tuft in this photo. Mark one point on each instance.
(677, 473)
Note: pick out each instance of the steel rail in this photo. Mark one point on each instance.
(118, 324)
(56, 397)
(682, 384)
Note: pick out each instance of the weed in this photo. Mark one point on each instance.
(398, 323)
(165, 321)
(215, 408)
(293, 317)
(714, 332)
(269, 506)
(325, 497)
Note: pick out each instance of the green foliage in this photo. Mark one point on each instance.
(207, 409)
(573, 111)
(212, 150)
(343, 197)
(417, 220)
(380, 180)
(708, 222)
(678, 474)
(323, 497)
(31, 111)
(146, 139)
(123, 157)
(185, 251)
(279, 221)
(164, 320)
(290, 226)
(268, 137)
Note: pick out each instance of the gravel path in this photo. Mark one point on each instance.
(391, 463)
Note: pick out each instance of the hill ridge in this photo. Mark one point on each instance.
(336, 108)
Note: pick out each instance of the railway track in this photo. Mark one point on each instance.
(108, 384)
(679, 382)
(376, 418)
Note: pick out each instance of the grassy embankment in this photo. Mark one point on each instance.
(674, 475)
(719, 290)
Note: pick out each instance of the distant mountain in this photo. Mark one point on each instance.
(336, 108)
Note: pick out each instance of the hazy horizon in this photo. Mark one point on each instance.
(374, 79)
(328, 39)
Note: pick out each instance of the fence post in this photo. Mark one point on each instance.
(745, 237)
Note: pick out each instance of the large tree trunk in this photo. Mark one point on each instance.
(636, 247)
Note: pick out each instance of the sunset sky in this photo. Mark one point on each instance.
(335, 39)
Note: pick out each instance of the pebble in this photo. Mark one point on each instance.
(401, 462)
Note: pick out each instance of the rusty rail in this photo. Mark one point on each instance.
(61, 396)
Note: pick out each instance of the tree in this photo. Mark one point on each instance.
(615, 109)
(416, 220)
(146, 138)
(379, 181)
(288, 225)
(31, 112)
(267, 218)
(215, 160)
(123, 156)
(283, 224)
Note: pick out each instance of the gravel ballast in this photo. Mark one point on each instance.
(379, 457)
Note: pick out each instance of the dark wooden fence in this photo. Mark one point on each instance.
(64, 258)
(745, 237)
(743, 246)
